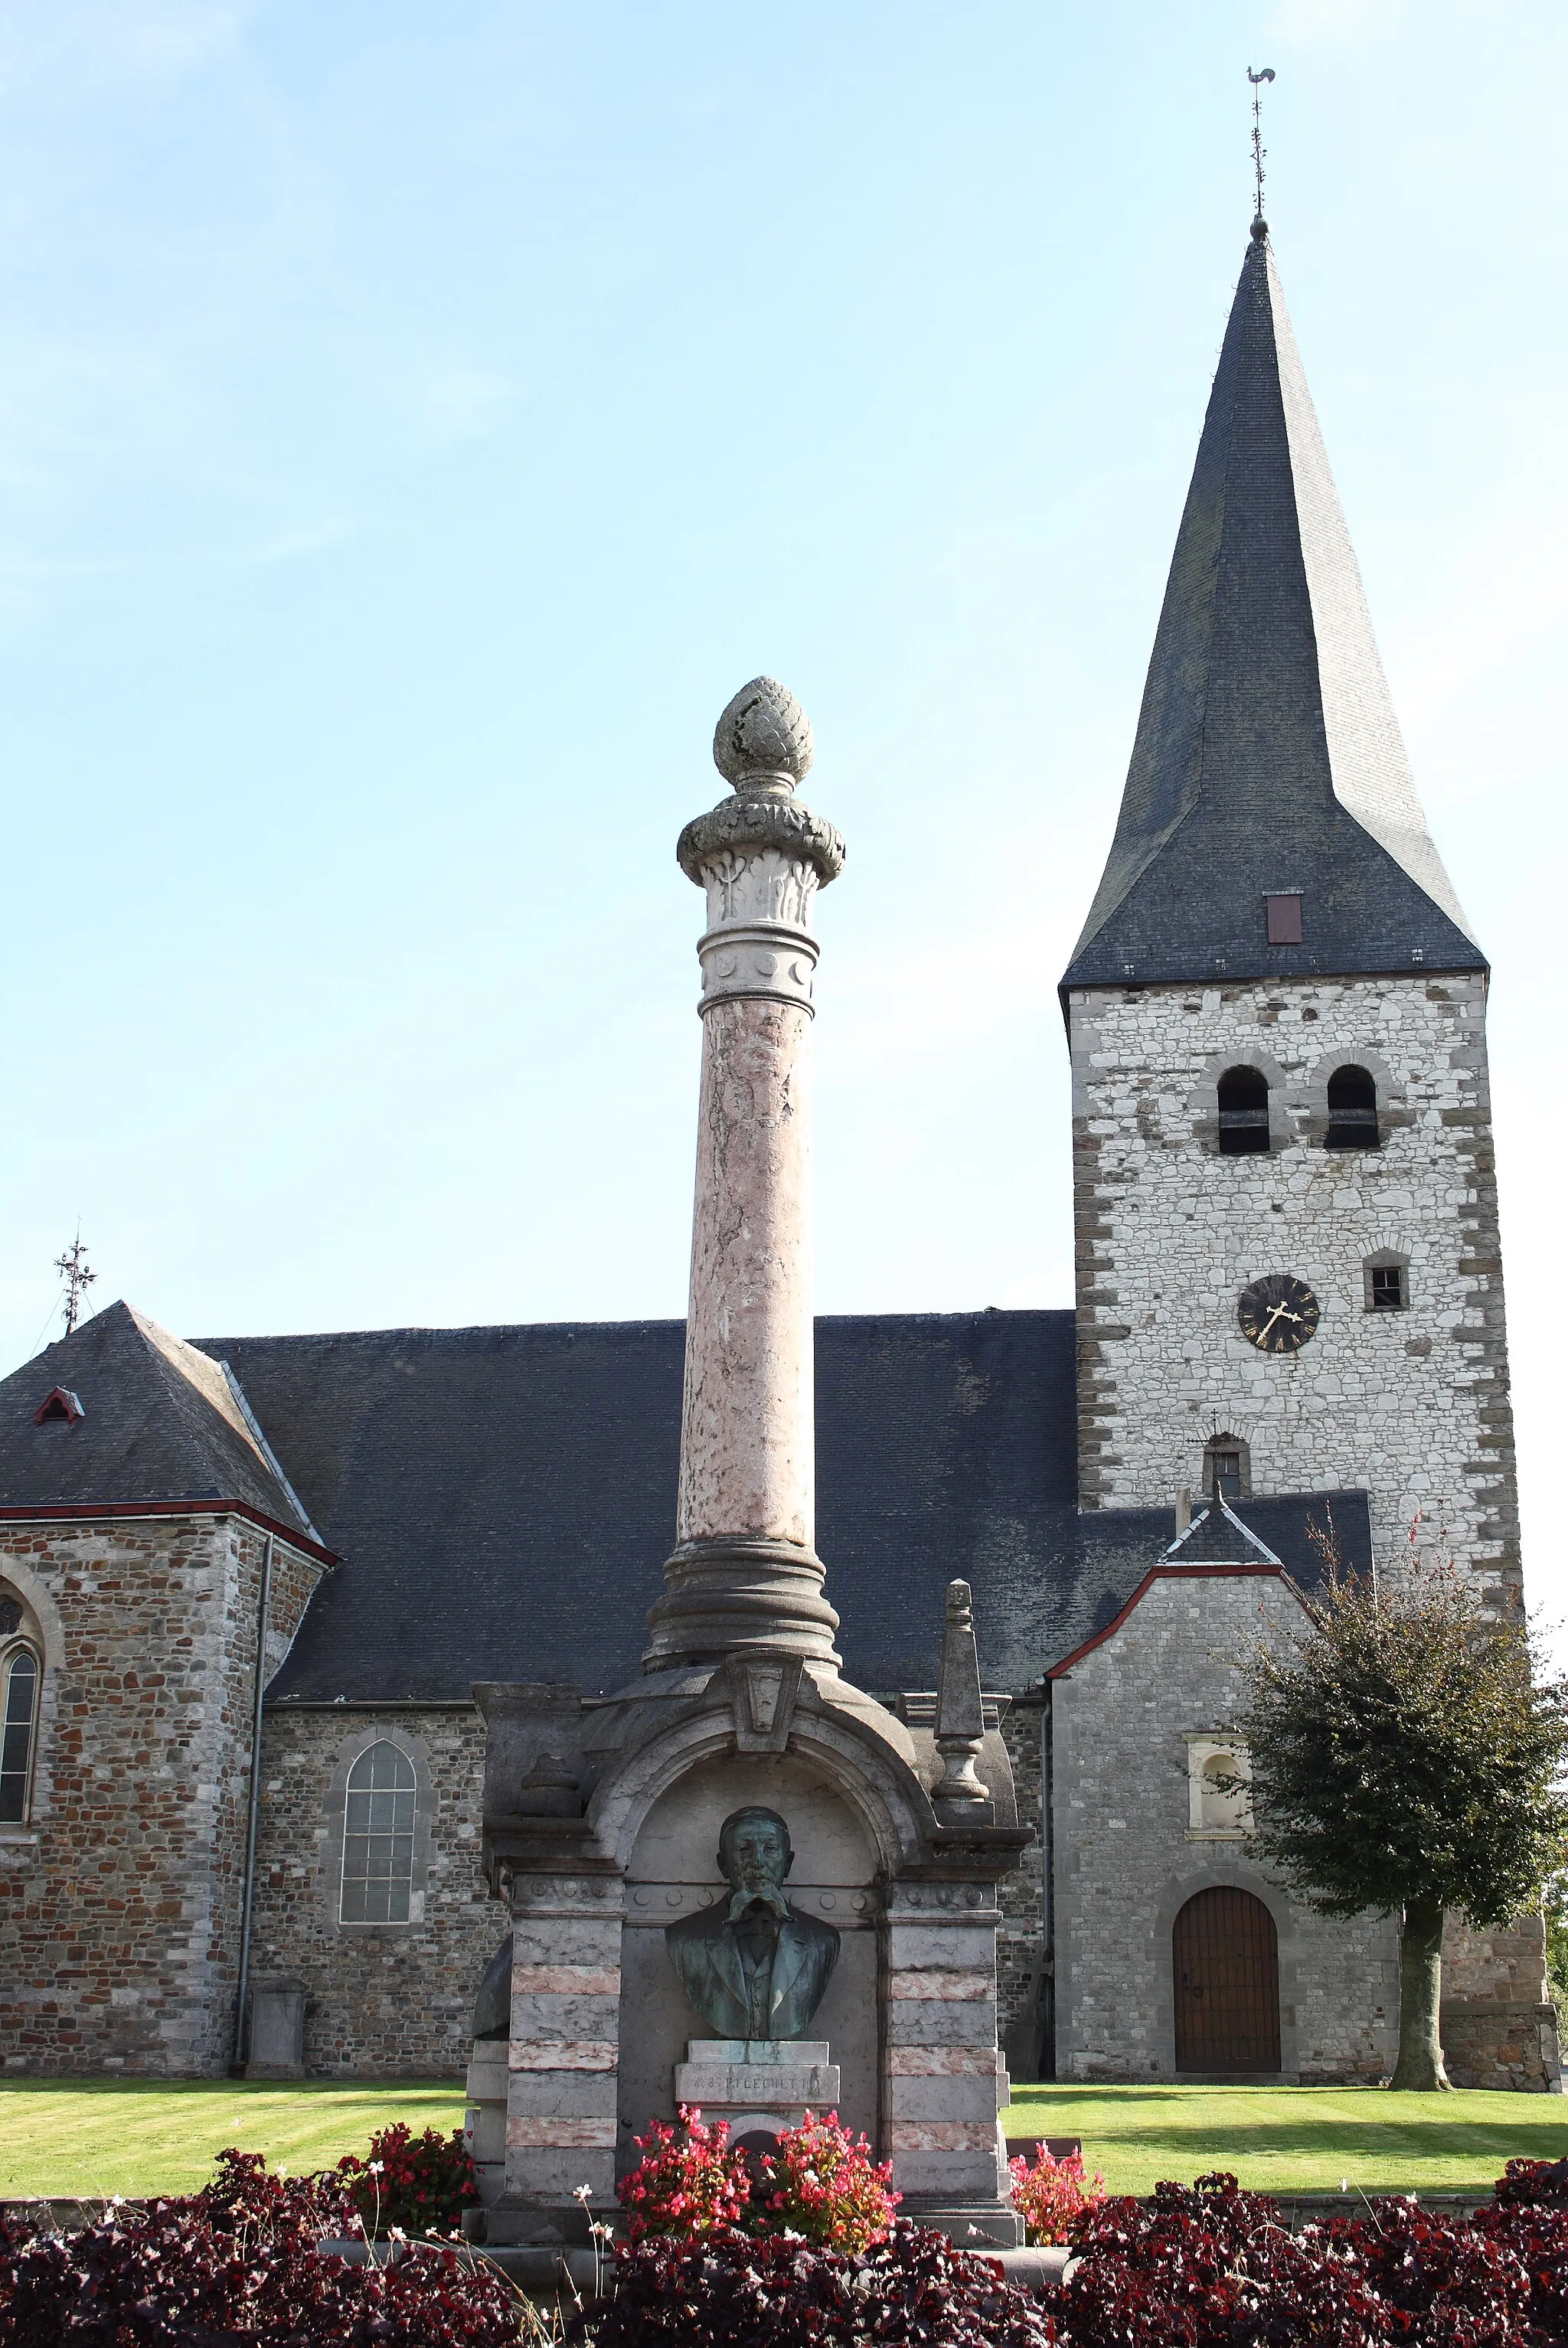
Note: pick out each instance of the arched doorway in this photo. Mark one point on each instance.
(1225, 1956)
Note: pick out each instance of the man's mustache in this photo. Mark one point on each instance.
(764, 1894)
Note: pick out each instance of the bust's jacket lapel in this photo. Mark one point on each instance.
(788, 1959)
(725, 1958)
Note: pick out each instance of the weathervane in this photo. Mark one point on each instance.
(78, 1278)
(1259, 150)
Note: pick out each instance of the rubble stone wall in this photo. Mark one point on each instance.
(120, 1896)
(390, 2001)
(1412, 1405)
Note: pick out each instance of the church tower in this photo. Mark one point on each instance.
(1289, 1269)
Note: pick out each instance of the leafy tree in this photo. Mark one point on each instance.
(1406, 1751)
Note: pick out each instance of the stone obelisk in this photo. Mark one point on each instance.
(745, 1571)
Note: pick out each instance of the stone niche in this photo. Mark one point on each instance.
(601, 1828)
(674, 1872)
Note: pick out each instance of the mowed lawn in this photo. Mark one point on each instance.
(91, 2137)
(88, 2138)
(1296, 2139)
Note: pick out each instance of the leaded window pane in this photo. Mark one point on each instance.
(378, 1837)
(21, 1694)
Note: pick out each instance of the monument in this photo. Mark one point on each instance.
(643, 1841)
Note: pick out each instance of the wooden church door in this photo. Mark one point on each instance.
(1225, 1959)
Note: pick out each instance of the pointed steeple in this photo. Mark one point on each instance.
(1268, 760)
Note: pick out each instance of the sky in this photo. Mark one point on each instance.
(418, 420)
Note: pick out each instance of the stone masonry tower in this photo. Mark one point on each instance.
(1288, 1273)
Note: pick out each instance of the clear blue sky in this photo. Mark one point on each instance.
(418, 419)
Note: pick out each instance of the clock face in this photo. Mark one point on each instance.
(1278, 1313)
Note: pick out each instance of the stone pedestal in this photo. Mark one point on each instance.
(758, 2085)
(484, 2120)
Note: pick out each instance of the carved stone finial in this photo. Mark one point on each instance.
(763, 738)
(960, 1712)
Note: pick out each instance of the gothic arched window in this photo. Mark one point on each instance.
(1352, 1110)
(19, 1678)
(378, 1837)
(1243, 1112)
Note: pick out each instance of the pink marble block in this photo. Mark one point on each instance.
(746, 1466)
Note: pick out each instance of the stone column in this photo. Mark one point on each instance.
(745, 1571)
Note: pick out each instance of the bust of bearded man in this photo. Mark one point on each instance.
(753, 1966)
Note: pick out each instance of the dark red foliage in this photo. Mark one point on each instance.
(1534, 2184)
(235, 2266)
(1209, 2266)
(911, 2290)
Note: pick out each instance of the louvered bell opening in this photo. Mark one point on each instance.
(1352, 1111)
(1243, 1102)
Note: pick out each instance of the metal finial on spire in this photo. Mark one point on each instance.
(1259, 150)
(78, 1278)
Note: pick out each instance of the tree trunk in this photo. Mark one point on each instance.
(1420, 2063)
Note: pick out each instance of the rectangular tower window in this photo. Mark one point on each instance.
(1284, 918)
(1386, 1291)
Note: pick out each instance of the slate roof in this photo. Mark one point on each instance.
(161, 1423)
(504, 1499)
(1268, 757)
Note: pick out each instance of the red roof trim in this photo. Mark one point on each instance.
(77, 1511)
(1163, 1573)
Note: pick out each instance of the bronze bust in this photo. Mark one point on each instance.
(753, 1966)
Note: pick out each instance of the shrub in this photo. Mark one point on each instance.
(690, 2181)
(1209, 2266)
(823, 2183)
(730, 2288)
(236, 2266)
(1053, 2195)
(419, 2183)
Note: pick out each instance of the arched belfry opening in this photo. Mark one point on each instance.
(1352, 1110)
(1244, 1101)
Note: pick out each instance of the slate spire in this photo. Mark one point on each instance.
(1268, 758)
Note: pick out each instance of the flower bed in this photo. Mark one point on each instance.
(719, 2262)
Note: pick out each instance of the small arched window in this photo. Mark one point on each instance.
(19, 1678)
(378, 1837)
(1243, 1112)
(1352, 1110)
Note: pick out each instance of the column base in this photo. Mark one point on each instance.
(724, 1596)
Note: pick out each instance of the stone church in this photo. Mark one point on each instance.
(249, 1584)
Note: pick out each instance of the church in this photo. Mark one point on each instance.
(249, 1585)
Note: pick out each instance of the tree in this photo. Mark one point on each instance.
(1405, 1756)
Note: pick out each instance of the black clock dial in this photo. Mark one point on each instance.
(1277, 1314)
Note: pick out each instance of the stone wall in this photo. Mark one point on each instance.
(119, 1899)
(1020, 1937)
(1498, 2023)
(392, 2001)
(1126, 1859)
(1413, 1406)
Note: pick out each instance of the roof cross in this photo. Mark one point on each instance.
(1259, 150)
(78, 1278)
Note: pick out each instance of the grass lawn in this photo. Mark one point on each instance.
(90, 2136)
(1296, 2139)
